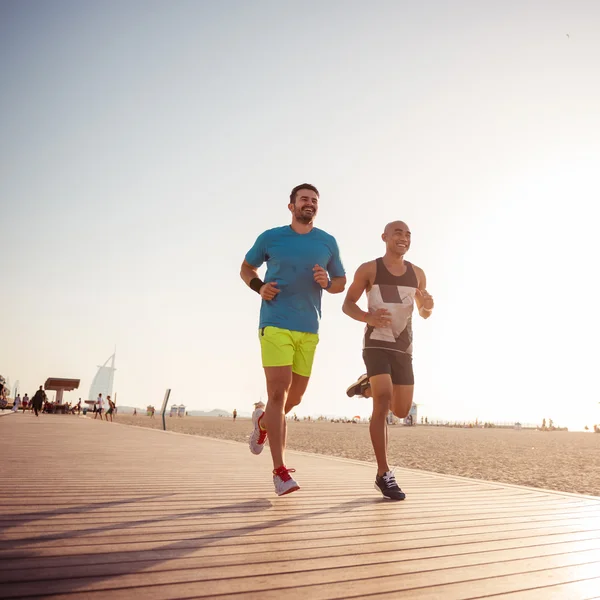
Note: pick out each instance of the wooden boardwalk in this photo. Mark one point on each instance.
(95, 510)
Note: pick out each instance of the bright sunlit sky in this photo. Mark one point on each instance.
(145, 144)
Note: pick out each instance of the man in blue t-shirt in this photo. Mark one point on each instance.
(302, 261)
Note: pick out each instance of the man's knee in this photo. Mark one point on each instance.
(402, 401)
(279, 380)
(277, 393)
(401, 411)
(292, 400)
(381, 403)
(296, 391)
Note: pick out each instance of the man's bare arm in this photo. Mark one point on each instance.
(248, 272)
(362, 281)
(335, 285)
(267, 291)
(338, 285)
(423, 299)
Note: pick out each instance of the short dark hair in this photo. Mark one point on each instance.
(302, 186)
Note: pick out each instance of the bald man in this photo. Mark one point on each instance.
(393, 286)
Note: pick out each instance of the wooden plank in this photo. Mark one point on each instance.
(258, 508)
(453, 583)
(361, 503)
(325, 514)
(574, 590)
(243, 510)
(537, 583)
(258, 535)
(172, 526)
(241, 546)
(220, 559)
(204, 571)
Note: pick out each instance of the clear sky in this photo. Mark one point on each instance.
(145, 144)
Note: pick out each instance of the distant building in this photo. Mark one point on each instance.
(104, 379)
(177, 410)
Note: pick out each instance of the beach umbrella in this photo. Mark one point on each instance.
(356, 417)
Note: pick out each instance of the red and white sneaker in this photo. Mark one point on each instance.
(284, 484)
(258, 437)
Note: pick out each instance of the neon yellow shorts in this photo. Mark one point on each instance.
(282, 348)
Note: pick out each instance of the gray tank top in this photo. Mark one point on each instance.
(397, 295)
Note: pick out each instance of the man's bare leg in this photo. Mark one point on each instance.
(369, 394)
(294, 397)
(402, 399)
(279, 381)
(382, 390)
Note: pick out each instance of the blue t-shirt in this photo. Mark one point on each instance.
(290, 259)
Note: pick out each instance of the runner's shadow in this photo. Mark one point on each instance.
(131, 562)
(251, 506)
(20, 519)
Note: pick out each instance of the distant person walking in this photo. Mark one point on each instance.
(38, 401)
(111, 408)
(25, 403)
(3, 401)
(100, 405)
(234, 414)
(16, 403)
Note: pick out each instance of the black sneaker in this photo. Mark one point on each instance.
(388, 487)
(359, 386)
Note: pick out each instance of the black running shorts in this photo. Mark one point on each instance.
(389, 362)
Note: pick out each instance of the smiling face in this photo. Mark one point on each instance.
(397, 238)
(305, 206)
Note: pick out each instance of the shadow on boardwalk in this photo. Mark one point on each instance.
(138, 561)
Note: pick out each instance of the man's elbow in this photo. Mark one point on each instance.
(340, 285)
(346, 308)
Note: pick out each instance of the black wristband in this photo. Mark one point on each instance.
(256, 284)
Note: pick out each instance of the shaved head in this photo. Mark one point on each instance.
(396, 236)
(395, 225)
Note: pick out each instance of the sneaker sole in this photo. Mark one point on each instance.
(356, 387)
(387, 497)
(293, 489)
(260, 446)
(256, 452)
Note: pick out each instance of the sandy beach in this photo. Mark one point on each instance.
(564, 461)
